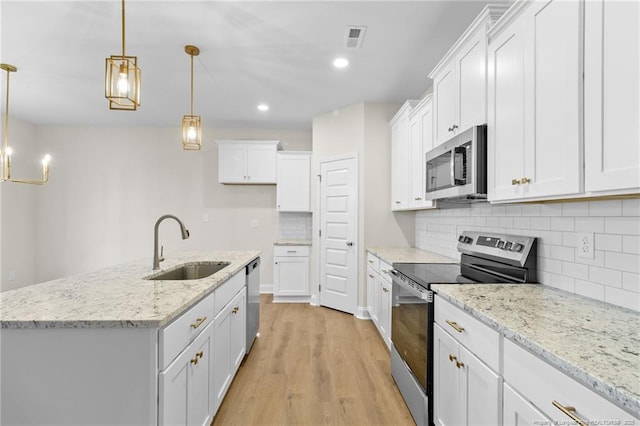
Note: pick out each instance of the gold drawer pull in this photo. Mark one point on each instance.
(198, 322)
(455, 326)
(570, 412)
(452, 357)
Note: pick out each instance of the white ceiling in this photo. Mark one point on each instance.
(251, 52)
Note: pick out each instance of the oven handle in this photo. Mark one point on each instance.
(397, 279)
(498, 274)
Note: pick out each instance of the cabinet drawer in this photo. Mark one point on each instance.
(174, 337)
(541, 384)
(385, 271)
(228, 289)
(291, 251)
(373, 262)
(479, 338)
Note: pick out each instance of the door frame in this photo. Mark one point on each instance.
(351, 156)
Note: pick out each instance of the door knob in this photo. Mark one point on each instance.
(349, 243)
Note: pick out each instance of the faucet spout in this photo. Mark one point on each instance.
(183, 230)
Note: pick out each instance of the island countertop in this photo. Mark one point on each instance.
(593, 342)
(117, 296)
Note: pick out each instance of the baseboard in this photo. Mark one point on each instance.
(362, 312)
(291, 299)
(266, 288)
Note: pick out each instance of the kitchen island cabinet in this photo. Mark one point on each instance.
(101, 346)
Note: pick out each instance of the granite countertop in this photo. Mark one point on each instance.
(292, 243)
(118, 296)
(596, 343)
(408, 255)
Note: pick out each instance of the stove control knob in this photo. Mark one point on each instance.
(508, 245)
(468, 240)
(500, 244)
(462, 238)
(517, 247)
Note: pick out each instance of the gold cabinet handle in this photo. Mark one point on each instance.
(371, 261)
(198, 322)
(515, 181)
(459, 364)
(525, 180)
(570, 412)
(235, 310)
(371, 276)
(455, 326)
(385, 290)
(199, 354)
(194, 361)
(452, 357)
(417, 199)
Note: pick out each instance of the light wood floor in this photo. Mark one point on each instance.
(313, 366)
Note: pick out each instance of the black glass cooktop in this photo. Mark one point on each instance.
(432, 273)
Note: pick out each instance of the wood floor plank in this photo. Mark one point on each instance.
(313, 366)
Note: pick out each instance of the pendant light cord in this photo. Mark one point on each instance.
(191, 84)
(6, 120)
(123, 52)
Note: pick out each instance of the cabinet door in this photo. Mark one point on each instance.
(416, 194)
(612, 95)
(506, 127)
(553, 96)
(294, 183)
(221, 355)
(481, 391)
(472, 82)
(261, 163)
(444, 101)
(384, 311)
(237, 331)
(400, 165)
(371, 292)
(232, 163)
(446, 376)
(291, 276)
(518, 412)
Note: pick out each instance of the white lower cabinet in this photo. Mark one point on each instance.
(186, 396)
(517, 411)
(229, 336)
(291, 274)
(379, 295)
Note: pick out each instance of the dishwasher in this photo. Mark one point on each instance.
(253, 302)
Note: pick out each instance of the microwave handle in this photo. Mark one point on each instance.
(459, 150)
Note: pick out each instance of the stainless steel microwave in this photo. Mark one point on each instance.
(456, 171)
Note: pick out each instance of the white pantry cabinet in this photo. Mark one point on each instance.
(553, 394)
(612, 96)
(379, 287)
(460, 80)
(293, 182)
(421, 141)
(400, 157)
(534, 98)
(247, 162)
(466, 390)
(291, 274)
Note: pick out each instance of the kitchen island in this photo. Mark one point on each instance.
(594, 343)
(113, 347)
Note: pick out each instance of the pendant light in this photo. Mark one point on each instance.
(122, 78)
(6, 152)
(191, 124)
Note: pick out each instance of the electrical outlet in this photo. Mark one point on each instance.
(254, 223)
(585, 245)
(12, 275)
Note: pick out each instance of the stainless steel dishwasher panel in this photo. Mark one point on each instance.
(253, 302)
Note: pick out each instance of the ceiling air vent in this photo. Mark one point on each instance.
(354, 37)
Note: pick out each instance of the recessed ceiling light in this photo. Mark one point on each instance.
(340, 62)
(263, 107)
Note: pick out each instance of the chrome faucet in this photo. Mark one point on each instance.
(185, 234)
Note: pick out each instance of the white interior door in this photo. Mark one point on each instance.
(338, 234)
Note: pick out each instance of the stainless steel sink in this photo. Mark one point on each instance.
(193, 271)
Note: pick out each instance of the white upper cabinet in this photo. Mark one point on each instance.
(421, 141)
(400, 157)
(611, 98)
(460, 80)
(294, 181)
(247, 162)
(534, 98)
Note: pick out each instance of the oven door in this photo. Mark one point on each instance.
(411, 327)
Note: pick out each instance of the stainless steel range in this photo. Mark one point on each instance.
(486, 258)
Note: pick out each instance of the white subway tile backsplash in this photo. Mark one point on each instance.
(622, 225)
(622, 261)
(295, 226)
(612, 275)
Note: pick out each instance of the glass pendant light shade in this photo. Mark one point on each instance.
(122, 78)
(191, 124)
(191, 132)
(122, 82)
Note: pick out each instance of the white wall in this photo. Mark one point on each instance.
(361, 129)
(109, 185)
(612, 276)
(18, 223)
